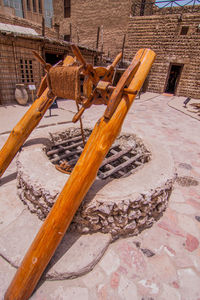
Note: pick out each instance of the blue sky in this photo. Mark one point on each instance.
(167, 3)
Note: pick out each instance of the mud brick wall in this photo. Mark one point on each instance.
(12, 52)
(13, 20)
(161, 33)
(88, 15)
(16, 54)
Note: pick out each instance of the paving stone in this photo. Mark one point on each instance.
(182, 208)
(181, 260)
(132, 257)
(10, 207)
(127, 289)
(6, 274)
(60, 290)
(67, 261)
(110, 262)
(148, 287)
(162, 268)
(195, 257)
(77, 255)
(104, 292)
(169, 293)
(194, 203)
(149, 238)
(189, 284)
(189, 225)
(171, 227)
(16, 238)
(191, 243)
(114, 280)
(93, 278)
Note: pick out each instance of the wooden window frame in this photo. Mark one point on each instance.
(67, 8)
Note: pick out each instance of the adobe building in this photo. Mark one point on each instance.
(26, 26)
(173, 33)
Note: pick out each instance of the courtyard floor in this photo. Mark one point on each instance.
(161, 263)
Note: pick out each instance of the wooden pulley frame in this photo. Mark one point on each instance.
(93, 78)
(88, 85)
(98, 88)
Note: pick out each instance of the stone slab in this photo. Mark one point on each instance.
(11, 206)
(76, 255)
(6, 274)
(61, 290)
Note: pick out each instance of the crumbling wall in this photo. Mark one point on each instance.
(163, 35)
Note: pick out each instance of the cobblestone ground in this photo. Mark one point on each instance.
(163, 262)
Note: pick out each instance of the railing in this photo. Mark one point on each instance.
(146, 7)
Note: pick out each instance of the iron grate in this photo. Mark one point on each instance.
(119, 162)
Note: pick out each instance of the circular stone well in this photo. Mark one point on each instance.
(121, 207)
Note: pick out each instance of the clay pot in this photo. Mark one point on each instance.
(21, 94)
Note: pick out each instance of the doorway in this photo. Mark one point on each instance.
(52, 58)
(173, 78)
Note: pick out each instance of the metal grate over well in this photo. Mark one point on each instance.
(124, 157)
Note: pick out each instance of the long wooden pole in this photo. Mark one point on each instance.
(82, 177)
(25, 126)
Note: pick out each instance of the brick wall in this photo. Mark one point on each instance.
(13, 20)
(162, 34)
(14, 53)
(88, 15)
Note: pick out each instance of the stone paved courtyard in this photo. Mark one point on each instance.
(161, 263)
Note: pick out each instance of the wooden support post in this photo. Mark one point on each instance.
(101, 38)
(78, 184)
(25, 126)
(43, 26)
(70, 32)
(97, 43)
(123, 45)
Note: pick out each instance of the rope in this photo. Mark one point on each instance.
(81, 124)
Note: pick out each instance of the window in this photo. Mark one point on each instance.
(17, 5)
(34, 6)
(28, 5)
(67, 37)
(48, 12)
(142, 7)
(67, 8)
(40, 6)
(26, 68)
(184, 30)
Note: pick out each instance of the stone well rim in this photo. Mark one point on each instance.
(160, 164)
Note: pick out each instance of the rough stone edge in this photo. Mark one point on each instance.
(52, 275)
(133, 215)
(86, 218)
